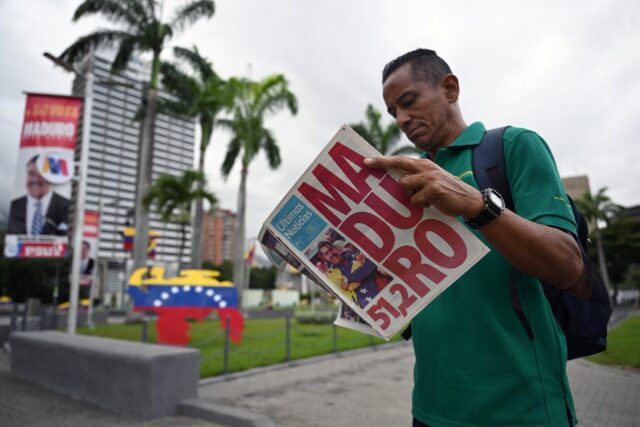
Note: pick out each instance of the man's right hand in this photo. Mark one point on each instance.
(430, 185)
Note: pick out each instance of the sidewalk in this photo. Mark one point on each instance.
(328, 391)
(342, 392)
(23, 404)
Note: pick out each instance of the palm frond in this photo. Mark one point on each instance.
(125, 50)
(274, 95)
(129, 11)
(271, 150)
(225, 124)
(196, 61)
(174, 108)
(178, 84)
(381, 138)
(149, 6)
(362, 130)
(93, 41)
(233, 150)
(191, 12)
(172, 196)
(373, 116)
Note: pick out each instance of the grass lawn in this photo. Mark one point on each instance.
(263, 342)
(623, 345)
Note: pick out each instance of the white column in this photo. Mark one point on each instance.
(80, 201)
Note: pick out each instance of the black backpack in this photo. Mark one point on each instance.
(583, 310)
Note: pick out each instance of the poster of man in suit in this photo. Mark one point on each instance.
(89, 249)
(39, 212)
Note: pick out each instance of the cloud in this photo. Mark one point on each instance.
(567, 70)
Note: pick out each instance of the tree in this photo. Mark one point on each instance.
(225, 269)
(263, 277)
(383, 139)
(249, 136)
(595, 209)
(203, 95)
(621, 243)
(173, 196)
(142, 30)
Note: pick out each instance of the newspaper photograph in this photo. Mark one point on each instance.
(353, 230)
(278, 253)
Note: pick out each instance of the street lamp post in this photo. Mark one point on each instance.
(82, 179)
(80, 202)
(82, 189)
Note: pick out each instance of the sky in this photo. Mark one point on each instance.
(568, 70)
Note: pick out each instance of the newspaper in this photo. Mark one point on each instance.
(353, 231)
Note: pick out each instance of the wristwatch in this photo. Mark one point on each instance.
(493, 207)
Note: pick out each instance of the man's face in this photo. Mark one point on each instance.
(422, 110)
(85, 251)
(331, 254)
(37, 187)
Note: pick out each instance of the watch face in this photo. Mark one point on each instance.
(496, 199)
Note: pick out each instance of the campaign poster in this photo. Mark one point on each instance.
(39, 212)
(89, 249)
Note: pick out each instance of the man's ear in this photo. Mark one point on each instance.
(451, 87)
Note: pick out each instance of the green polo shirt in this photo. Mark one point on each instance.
(475, 365)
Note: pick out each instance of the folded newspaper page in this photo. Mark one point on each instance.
(353, 231)
(278, 253)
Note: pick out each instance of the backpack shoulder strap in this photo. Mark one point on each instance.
(490, 171)
(489, 166)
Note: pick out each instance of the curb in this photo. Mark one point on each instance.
(226, 415)
(299, 362)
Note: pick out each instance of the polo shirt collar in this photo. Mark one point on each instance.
(472, 135)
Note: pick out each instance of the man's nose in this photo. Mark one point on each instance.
(402, 119)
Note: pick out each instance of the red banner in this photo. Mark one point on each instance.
(42, 250)
(39, 211)
(50, 121)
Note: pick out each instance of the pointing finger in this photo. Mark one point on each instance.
(403, 164)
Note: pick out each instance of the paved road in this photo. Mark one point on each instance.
(368, 388)
(343, 392)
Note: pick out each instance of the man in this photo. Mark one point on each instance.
(86, 262)
(475, 363)
(41, 211)
(355, 274)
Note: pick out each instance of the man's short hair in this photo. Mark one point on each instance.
(425, 65)
(323, 243)
(33, 160)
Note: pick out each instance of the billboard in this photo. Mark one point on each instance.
(89, 250)
(38, 215)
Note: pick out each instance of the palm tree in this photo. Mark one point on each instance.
(599, 208)
(203, 95)
(249, 136)
(172, 197)
(142, 30)
(383, 139)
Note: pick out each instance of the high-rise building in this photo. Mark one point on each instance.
(576, 186)
(113, 163)
(218, 236)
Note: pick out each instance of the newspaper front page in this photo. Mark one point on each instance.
(353, 231)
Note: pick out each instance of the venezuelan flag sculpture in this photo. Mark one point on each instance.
(194, 294)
